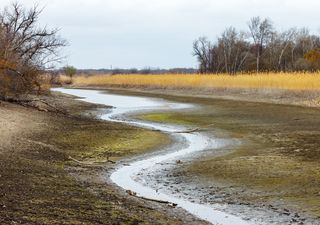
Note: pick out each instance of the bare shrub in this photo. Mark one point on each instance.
(26, 50)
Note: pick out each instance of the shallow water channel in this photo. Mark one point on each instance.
(186, 143)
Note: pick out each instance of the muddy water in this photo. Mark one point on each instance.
(186, 143)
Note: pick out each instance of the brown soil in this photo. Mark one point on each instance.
(40, 184)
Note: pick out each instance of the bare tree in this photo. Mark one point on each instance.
(286, 39)
(202, 50)
(235, 50)
(262, 48)
(25, 49)
(260, 31)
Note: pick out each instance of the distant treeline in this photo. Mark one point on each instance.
(136, 71)
(260, 48)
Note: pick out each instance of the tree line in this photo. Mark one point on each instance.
(260, 48)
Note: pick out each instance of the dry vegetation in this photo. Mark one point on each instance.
(286, 81)
(26, 50)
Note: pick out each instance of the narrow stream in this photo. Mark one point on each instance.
(125, 176)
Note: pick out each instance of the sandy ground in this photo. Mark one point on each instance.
(41, 184)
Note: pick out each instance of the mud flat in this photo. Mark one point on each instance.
(132, 176)
(41, 184)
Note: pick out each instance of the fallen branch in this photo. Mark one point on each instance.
(156, 130)
(51, 106)
(188, 131)
(171, 204)
(155, 200)
(110, 161)
(26, 102)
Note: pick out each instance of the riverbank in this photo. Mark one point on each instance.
(276, 166)
(282, 136)
(52, 166)
(278, 150)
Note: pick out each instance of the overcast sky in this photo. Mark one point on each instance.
(158, 33)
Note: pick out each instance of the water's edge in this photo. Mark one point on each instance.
(124, 176)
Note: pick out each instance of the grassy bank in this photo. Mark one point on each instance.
(278, 160)
(283, 81)
(40, 184)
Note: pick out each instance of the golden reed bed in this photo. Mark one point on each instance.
(289, 81)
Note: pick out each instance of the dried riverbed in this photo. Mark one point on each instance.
(157, 183)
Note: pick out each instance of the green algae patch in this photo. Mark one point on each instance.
(100, 140)
(165, 117)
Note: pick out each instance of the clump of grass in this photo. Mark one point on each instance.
(287, 81)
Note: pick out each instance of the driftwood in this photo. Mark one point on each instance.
(171, 204)
(188, 131)
(156, 130)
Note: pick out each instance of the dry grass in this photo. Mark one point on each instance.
(63, 79)
(289, 81)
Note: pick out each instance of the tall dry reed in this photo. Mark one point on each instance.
(289, 81)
